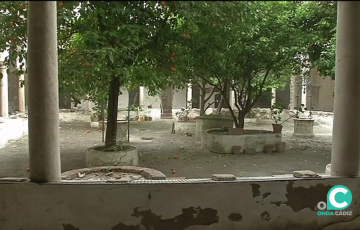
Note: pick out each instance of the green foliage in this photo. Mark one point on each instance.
(248, 47)
(316, 21)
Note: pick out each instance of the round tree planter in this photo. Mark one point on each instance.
(113, 173)
(303, 127)
(128, 157)
(218, 141)
(211, 122)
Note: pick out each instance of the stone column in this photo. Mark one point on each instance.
(21, 93)
(303, 95)
(167, 103)
(294, 92)
(43, 107)
(273, 98)
(141, 96)
(346, 128)
(189, 95)
(4, 94)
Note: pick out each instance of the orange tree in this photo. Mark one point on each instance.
(317, 22)
(102, 46)
(246, 47)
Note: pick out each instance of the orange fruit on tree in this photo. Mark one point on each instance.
(88, 65)
(163, 3)
(61, 5)
(186, 35)
(173, 68)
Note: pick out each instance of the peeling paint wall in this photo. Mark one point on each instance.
(236, 205)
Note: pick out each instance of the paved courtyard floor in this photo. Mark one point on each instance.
(180, 152)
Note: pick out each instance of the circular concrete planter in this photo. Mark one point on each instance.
(146, 173)
(303, 127)
(218, 141)
(211, 122)
(128, 157)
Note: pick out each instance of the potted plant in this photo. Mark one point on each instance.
(276, 112)
(182, 114)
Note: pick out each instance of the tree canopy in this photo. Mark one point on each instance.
(248, 47)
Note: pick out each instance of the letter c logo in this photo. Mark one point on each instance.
(332, 198)
(339, 197)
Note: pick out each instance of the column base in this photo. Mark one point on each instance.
(166, 116)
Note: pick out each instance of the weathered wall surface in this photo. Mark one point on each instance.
(323, 89)
(234, 205)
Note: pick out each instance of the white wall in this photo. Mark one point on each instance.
(123, 99)
(326, 90)
(260, 203)
(179, 99)
(155, 101)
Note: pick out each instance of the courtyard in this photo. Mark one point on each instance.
(179, 155)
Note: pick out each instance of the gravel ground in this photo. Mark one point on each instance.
(180, 152)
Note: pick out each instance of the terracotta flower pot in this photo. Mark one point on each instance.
(280, 147)
(236, 149)
(277, 128)
(268, 148)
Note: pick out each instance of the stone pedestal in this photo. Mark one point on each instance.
(303, 127)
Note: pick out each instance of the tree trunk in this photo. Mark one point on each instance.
(102, 120)
(111, 127)
(241, 119)
(202, 100)
(222, 98)
(220, 105)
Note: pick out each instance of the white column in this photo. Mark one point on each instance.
(141, 96)
(189, 95)
(44, 146)
(4, 87)
(4, 92)
(303, 95)
(21, 88)
(232, 99)
(273, 98)
(346, 128)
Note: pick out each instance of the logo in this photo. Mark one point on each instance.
(338, 198)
